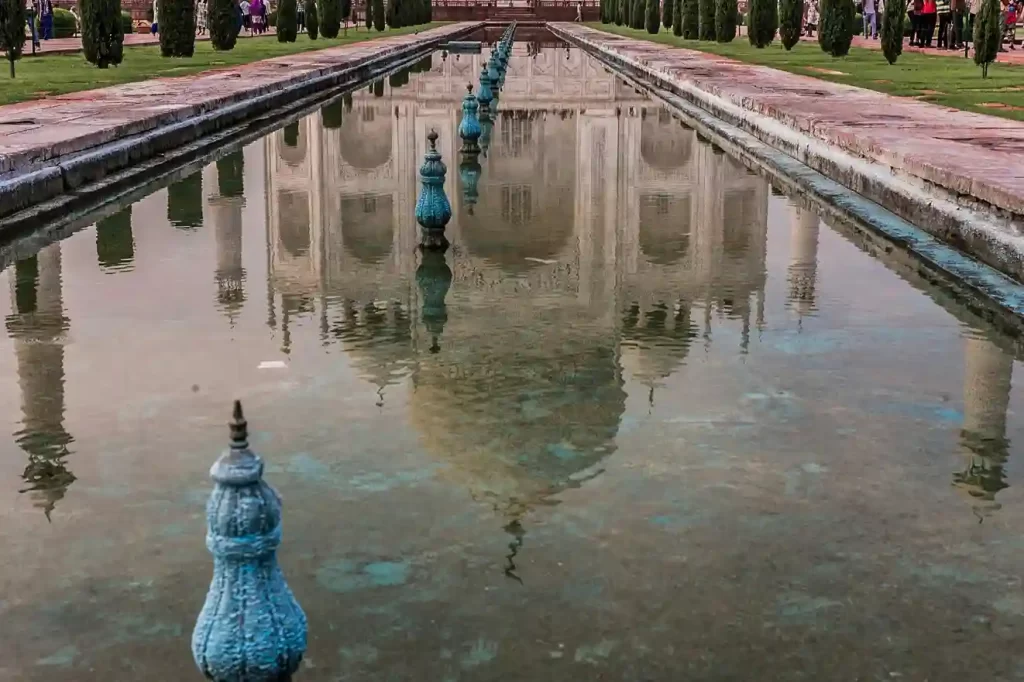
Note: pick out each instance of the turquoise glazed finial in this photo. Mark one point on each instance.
(251, 629)
(484, 95)
(433, 211)
(469, 128)
(492, 68)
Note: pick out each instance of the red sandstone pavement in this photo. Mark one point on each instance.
(33, 132)
(972, 154)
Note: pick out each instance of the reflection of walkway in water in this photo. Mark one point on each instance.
(37, 325)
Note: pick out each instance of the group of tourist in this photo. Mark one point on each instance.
(954, 20)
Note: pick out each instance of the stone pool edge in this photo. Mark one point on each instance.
(962, 217)
(988, 293)
(42, 187)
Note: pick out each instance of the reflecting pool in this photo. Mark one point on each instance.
(646, 419)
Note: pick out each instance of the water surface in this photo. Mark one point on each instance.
(645, 420)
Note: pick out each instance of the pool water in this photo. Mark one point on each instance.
(646, 419)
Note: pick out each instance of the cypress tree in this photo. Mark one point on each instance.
(639, 14)
(835, 30)
(620, 12)
(986, 35)
(677, 17)
(330, 18)
(223, 23)
(667, 10)
(287, 21)
(312, 19)
(379, 21)
(706, 19)
(390, 14)
(653, 17)
(791, 19)
(762, 22)
(725, 20)
(177, 22)
(102, 32)
(12, 29)
(369, 15)
(346, 13)
(691, 19)
(892, 29)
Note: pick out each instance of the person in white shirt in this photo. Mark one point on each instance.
(243, 6)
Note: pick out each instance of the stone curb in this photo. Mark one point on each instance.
(960, 217)
(39, 175)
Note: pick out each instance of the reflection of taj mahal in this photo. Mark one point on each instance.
(521, 396)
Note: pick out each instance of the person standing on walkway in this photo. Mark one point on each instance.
(915, 20)
(927, 23)
(944, 9)
(959, 12)
(243, 7)
(870, 20)
(46, 19)
(31, 12)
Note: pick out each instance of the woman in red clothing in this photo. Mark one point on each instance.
(927, 23)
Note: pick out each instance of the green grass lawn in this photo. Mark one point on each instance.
(952, 81)
(42, 76)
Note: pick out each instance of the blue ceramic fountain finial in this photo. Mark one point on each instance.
(251, 629)
(485, 96)
(433, 211)
(493, 68)
(469, 128)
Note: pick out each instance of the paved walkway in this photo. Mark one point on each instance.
(36, 131)
(966, 153)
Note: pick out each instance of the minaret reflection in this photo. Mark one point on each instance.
(987, 379)
(37, 326)
(226, 214)
(803, 263)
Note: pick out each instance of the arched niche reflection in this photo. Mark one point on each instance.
(366, 141)
(661, 145)
(367, 226)
(665, 230)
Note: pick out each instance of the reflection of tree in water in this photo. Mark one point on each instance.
(230, 174)
(185, 202)
(115, 244)
(987, 381)
(37, 325)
